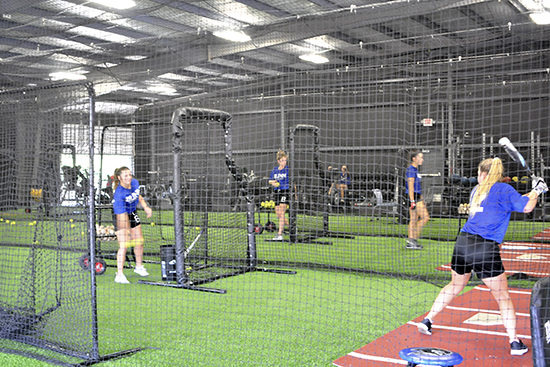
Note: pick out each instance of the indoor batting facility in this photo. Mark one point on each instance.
(274, 183)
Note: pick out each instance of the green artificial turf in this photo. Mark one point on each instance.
(307, 319)
(346, 292)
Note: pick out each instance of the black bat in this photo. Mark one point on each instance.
(514, 154)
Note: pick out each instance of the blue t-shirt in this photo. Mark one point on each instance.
(345, 178)
(282, 176)
(491, 219)
(126, 200)
(412, 172)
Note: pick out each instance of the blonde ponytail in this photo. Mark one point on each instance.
(494, 169)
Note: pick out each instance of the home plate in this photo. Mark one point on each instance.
(531, 257)
(486, 319)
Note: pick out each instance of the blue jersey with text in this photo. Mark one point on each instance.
(345, 178)
(282, 176)
(412, 172)
(126, 200)
(491, 219)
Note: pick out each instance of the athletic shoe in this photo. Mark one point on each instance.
(278, 237)
(413, 245)
(121, 278)
(425, 327)
(141, 271)
(518, 348)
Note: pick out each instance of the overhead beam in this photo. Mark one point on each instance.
(334, 21)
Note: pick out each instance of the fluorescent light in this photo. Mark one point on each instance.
(104, 107)
(235, 36)
(101, 35)
(135, 57)
(316, 59)
(207, 71)
(106, 64)
(161, 89)
(172, 76)
(66, 76)
(541, 18)
(117, 4)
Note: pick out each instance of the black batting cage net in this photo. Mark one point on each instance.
(337, 273)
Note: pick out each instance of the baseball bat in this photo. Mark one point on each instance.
(514, 154)
(192, 244)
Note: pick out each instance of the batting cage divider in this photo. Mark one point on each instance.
(216, 251)
(305, 166)
(44, 287)
(540, 322)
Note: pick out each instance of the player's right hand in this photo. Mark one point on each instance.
(539, 186)
(413, 205)
(276, 184)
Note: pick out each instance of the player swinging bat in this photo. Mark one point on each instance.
(538, 182)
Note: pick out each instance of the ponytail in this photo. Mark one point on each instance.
(116, 180)
(494, 169)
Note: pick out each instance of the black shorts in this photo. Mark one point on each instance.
(281, 196)
(134, 220)
(473, 252)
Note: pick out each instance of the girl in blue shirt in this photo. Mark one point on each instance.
(477, 246)
(280, 180)
(418, 212)
(127, 223)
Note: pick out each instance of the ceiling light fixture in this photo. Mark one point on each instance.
(135, 57)
(161, 89)
(540, 18)
(235, 36)
(62, 75)
(118, 4)
(316, 59)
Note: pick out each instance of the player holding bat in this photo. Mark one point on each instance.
(477, 246)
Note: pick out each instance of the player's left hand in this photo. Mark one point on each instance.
(539, 186)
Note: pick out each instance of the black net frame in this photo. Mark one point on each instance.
(54, 283)
(49, 271)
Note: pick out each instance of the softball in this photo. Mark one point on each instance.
(152, 223)
(71, 220)
(73, 225)
(198, 228)
(277, 184)
(31, 224)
